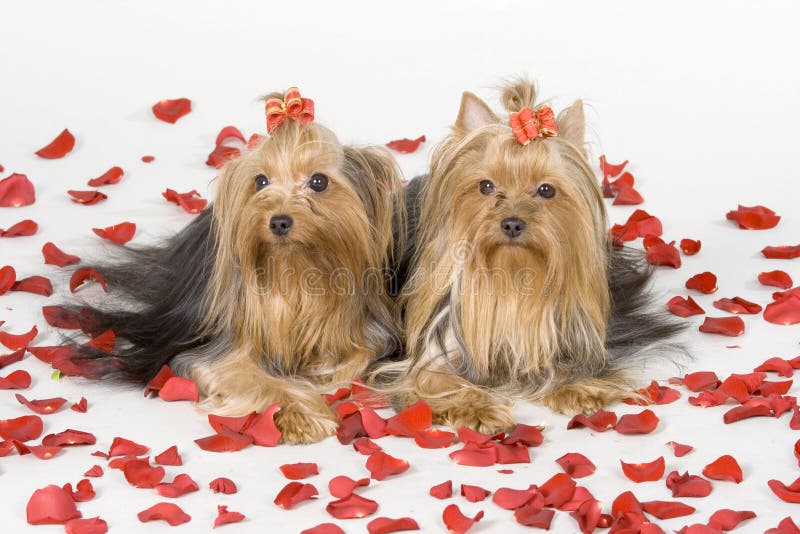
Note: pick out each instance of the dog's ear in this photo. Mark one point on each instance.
(572, 125)
(472, 114)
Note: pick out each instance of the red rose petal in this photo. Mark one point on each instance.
(172, 110)
(51, 505)
(600, 421)
(23, 428)
(342, 486)
(657, 252)
(728, 519)
(169, 457)
(785, 310)
(351, 507)
(60, 317)
(229, 132)
(126, 447)
(166, 511)
(667, 509)
(405, 145)
(55, 256)
(148, 159)
(84, 491)
(704, 282)
(557, 490)
(434, 438)
(530, 436)
(18, 341)
(38, 285)
(644, 472)
(366, 446)
(684, 307)
(415, 418)
(88, 198)
(456, 522)
(474, 493)
(83, 274)
(324, 528)
(262, 428)
(776, 278)
(140, 474)
(755, 218)
(724, 468)
(576, 465)
(119, 233)
(158, 381)
(381, 465)
(512, 454)
(442, 491)
(21, 229)
(777, 365)
(777, 388)
(533, 516)
(641, 423)
(191, 201)
(727, 326)
(181, 485)
(92, 525)
(751, 408)
(786, 526)
(7, 278)
(475, 455)
(94, 471)
(467, 435)
(16, 191)
(111, 176)
(104, 342)
(58, 147)
(223, 485)
(221, 155)
(225, 441)
(385, 525)
(679, 449)
(786, 493)
(69, 438)
(224, 516)
(16, 356)
(690, 247)
(43, 406)
(794, 423)
(784, 252)
(178, 388)
(687, 485)
(610, 170)
(626, 195)
(655, 394)
(19, 379)
(511, 499)
(737, 305)
(294, 493)
(299, 471)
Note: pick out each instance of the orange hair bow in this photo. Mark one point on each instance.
(292, 107)
(529, 124)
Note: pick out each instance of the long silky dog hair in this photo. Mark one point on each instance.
(512, 288)
(275, 292)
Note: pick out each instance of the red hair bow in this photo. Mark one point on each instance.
(528, 124)
(292, 107)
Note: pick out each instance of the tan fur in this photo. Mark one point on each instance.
(301, 309)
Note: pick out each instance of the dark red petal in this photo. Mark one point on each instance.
(86, 197)
(166, 511)
(474, 493)
(94, 471)
(111, 176)
(704, 282)
(179, 388)
(51, 505)
(299, 471)
(687, 485)
(172, 110)
(225, 441)
(140, 474)
(443, 490)
(600, 421)
(7, 278)
(23, 428)
(18, 341)
(19, 379)
(21, 229)
(60, 317)
(223, 485)
(724, 468)
(38, 285)
(576, 465)
(415, 418)
(667, 509)
(755, 218)
(690, 247)
(727, 326)
(784, 311)
(475, 455)
(752, 408)
(366, 446)
(224, 516)
(92, 525)
(784, 252)
(533, 516)
(55, 256)
(324, 528)
(351, 507)
(456, 522)
(679, 449)
(169, 457)
(737, 305)
(381, 465)
(104, 342)
(181, 485)
(221, 155)
(119, 233)
(43, 406)
(433, 438)
(126, 447)
(261, 428)
(776, 278)
(58, 147)
(405, 145)
(557, 490)
(229, 132)
(728, 519)
(641, 423)
(644, 472)
(385, 525)
(786, 493)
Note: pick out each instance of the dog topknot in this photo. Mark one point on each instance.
(517, 94)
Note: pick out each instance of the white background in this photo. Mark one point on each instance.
(701, 97)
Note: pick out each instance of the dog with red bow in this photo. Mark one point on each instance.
(512, 288)
(277, 291)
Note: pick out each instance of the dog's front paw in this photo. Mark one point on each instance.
(483, 416)
(306, 424)
(575, 398)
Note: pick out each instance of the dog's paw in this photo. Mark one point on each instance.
(304, 424)
(576, 398)
(483, 416)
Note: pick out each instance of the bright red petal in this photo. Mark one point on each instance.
(69, 438)
(92, 525)
(627, 196)
(18, 341)
(641, 423)
(784, 311)
(126, 447)
(94, 471)
(43, 406)
(415, 418)
(299, 471)
(784, 252)
(19, 379)
(179, 388)
(342, 486)
(752, 408)
(38, 285)
(690, 247)
(406, 146)
(181, 485)
(140, 474)
(687, 485)
(172, 110)
(776, 278)
(51, 505)
(728, 519)
(724, 468)
(191, 201)
(221, 155)
(55, 256)
(111, 176)
(600, 421)
(679, 449)
(262, 428)
(475, 455)
(351, 507)
(755, 218)
(667, 509)
(776, 365)
(576, 465)
(385, 525)
(366, 446)
(534, 516)
(381, 465)
(611, 170)
(456, 522)
(661, 253)
(324, 528)
(223, 485)
(511, 499)
(166, 511)
(21, 229)
(86, 197)
(727, 326)
(148, 159)
(442, 491)
(294, 493)
(229, 132)
(225, 441)
(169, 457)
(530, 436)
(737, 305)
(7, 278)
(786, 493)
(644, 472)
(224, 516)
(16, 191)
(58, 147)
(434, 438)
(119, 233)
(704, 282)
(557, 490)
(158, 381)
(23, 428)
(474, 493)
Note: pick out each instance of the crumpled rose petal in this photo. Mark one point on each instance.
(474, 493)
(94, 472)
(262, 429)
(405, 145)
(724, 468)
(385, 525)
(576, 465)
(528, 435)
(324, 528)
(776, 278)
(380, 465)
(737, 305)
(434, 438)
(7, 278)
(294, 493)
(786, 526)
(533, 516)
(467, 435)
(157, 382)
(342, 486)
(727, 326)
(69, 438)
(784, 252)
(83, 274)
(784, 311)
(180, 485)
(299, 471)
(511, 499)
(179, 388)
(600, 421)
(88, 198)
(667, 509)
(111, 176)
(38, 285)
(655, 394)
(366, 446)
(58, 147)
(415, 418)
(229, 132)
(224, 516)
(166, 511)
(18, 341)
(687, 485)
(752, 408)
(626, 195)
(172, 110)
(191, 201)
(126, 447)
(641, 423)
(728, 519)
(14, 357)
(704, 282)
(221, 155)
(19, 379)
(23, 428)
(226, 441)
(588, 515)
(456, 522)
(16, 191)
(679, 449)
(55, 256)
(51, 505)
(351, 507)
(223, 485)
(754, 218)
(119, 233)
(611, 170)
(644, 472)
(690, 247)
(790, 493)
(140, 474)
(169, 457)
(777, 365)
(442, 491)
(658, 252)
(21, 229)
(43, 406)
(475, 455)
(92, 525)
(84, 491)
(557, 490)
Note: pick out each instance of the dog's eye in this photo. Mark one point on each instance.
(318, 182)
(546, 191)
(486, 187)
(261, 181)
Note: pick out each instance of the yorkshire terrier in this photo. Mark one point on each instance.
(512, 288)
(274, 293)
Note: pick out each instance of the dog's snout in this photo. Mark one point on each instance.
(280, 224)
(512, 226)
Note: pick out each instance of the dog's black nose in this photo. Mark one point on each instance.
(280, 224)
(512, 226)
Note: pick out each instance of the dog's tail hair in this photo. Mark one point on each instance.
(155, 306)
